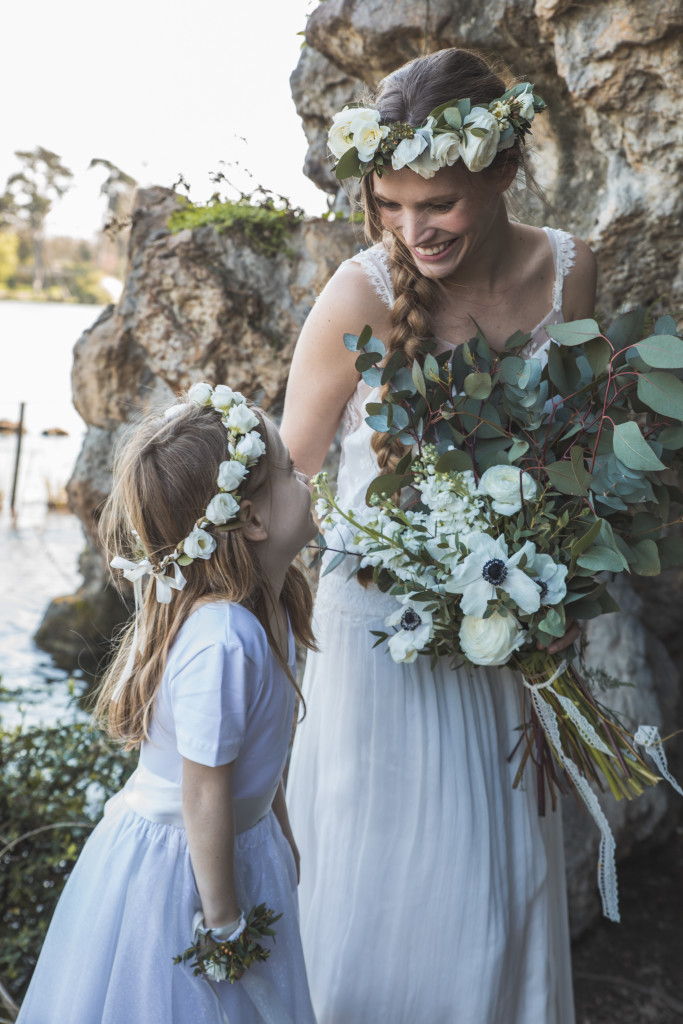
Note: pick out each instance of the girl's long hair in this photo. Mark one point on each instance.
(164, 476)
(408, 95)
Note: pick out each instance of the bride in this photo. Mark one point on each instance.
(431, 890)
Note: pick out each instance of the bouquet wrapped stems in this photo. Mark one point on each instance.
(590, 736)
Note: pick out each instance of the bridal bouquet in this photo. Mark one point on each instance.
(523, 484)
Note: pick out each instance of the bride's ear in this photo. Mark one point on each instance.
(253, 527)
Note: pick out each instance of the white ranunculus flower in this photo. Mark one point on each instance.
(231, 474)
(340, 136)
(367, 135)
(408, 150)
(550, 578)
(200, 394)
(241, 419)
(490, 641)
(249, 448)
(503, 484)
(224, 397)
(416, 630)
(478, 151)
(443, 151)
(199, 544)
(526, 104)
(221, 509)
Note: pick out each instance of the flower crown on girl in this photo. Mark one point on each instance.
(245, 448)
(362, 143)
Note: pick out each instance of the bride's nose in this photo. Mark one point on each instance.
(415, 228)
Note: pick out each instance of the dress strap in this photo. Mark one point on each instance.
(564, 255)
(375, 264)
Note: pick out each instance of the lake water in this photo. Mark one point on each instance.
(39, 548)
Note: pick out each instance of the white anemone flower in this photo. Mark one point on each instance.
(415, 630)
(550, 578)
(487, 569)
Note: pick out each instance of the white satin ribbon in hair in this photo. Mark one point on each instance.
(165, 585)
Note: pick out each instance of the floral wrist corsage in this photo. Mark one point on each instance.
(226, 959)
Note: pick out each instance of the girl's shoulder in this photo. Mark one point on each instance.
(219, 624)
(360, 288)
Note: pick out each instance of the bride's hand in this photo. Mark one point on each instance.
(571, 634)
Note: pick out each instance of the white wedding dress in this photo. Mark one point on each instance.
(431, 891)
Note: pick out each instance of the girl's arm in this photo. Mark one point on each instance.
(323, 375)
(280, 812)
(210, 827)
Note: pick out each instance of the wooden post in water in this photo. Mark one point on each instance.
(20, 432)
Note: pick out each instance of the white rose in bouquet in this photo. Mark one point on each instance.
(503, 484)
(478, 151)
(231, 474)
(490, 641)
(221, 509)
(199, 544)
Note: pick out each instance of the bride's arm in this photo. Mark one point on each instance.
(323, 375)
(578, 299)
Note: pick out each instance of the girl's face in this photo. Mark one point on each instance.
(285, 506)
(443, 220)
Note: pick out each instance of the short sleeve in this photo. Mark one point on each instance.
(210, 701)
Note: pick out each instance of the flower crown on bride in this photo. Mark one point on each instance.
(362, 143)
(245, 448)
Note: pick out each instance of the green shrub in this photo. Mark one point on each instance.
(265, 220)
(53, 784)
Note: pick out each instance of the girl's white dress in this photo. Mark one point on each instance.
(128, 905)
(430, 889)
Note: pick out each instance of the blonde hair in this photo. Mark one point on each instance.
(408, 95)
(164, 476)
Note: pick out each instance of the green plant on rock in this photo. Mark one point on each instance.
(264, 219)
(53, 784)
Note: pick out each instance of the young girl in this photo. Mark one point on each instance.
(444, 889)
(206, 501)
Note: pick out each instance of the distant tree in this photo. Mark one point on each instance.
(119, 190)
(29, 196)
(9, 256)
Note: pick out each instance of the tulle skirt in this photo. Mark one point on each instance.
(431, 889)
(127, 910)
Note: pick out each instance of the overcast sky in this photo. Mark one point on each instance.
(160, 89)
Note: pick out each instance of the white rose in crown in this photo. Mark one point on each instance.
(241, 419)
(341, 136)
(443, 151)
(408, 150)
(199, 544)
(221, 509)
(367, 133)
(231, 474)
(503, 484)
(200, 394)
(526, 104)
(224, 397)
(490, 641)
(249, 448)
(478, 151)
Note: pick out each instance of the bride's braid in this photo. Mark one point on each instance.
(408, 95)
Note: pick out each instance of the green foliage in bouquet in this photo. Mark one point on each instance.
(53, 783)
(522, 477)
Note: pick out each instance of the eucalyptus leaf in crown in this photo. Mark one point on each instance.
(362, 143)
(524, 482)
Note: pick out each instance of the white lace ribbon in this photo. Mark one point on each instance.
(607, 869)
(649, 738)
